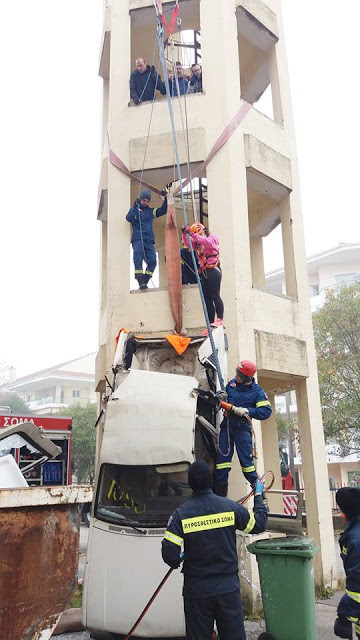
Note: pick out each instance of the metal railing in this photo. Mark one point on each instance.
(333, 489)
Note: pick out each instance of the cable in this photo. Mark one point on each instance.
(145, 152)
(160, 33)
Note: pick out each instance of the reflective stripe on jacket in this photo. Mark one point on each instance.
(349, 605)
(250, 396)
(205, 526)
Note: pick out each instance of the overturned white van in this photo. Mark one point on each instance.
(156, 425)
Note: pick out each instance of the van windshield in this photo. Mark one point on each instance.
(141, 495)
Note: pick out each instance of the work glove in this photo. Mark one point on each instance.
(185, 228)
(222, 396)
(164, 192)
(343, 628)
(241, 412)
(259, 488)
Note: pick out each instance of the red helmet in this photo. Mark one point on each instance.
(197, 227)
(247, 368)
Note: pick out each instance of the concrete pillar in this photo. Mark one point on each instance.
(275, 87)
(257, 261)
(316, 482)
(320, 525)
(288, 248)
(118, 237)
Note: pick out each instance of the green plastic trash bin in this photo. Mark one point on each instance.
(287, 586)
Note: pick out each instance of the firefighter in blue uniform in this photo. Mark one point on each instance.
(348, 611)
(205, 526)
(141, 216)
(248, 401)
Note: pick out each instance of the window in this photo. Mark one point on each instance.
(76, 393)
(28, 398)
(314, 289)
(141, 495)
(353, 479)
(345, 278)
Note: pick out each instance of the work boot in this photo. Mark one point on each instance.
(221, 489)
(142, 279)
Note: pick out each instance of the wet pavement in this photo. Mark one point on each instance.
(325, 618)
(325, 609)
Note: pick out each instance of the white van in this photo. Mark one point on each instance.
(156, 425)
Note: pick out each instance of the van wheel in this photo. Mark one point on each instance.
(266, 636)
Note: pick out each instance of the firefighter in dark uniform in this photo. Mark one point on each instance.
(141, 217)
(205, 526)
(348, 499)
(248, 400)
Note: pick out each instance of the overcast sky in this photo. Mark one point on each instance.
(50, 141)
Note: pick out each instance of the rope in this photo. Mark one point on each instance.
(152, 64)
(160, 33)
(149, 127)
(145, 153)
(187, 142)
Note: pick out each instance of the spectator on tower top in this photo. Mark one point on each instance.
(180, 79)
(195, 83)
(144, 81)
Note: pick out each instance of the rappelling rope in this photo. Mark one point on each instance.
(183, 124)
(160, 33)
(152, 64)
(187, 142)
(146, 148)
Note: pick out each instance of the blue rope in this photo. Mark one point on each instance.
(160, 33)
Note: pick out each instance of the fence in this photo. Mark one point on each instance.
(333, 489)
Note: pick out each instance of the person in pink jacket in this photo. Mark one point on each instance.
(206, 247)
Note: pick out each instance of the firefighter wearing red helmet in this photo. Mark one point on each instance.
(248, 401)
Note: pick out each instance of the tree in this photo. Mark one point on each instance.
(284, 426)
(83, 440)
(12, 400)
(337, 339)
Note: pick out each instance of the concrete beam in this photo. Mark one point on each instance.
(160, 151)
(104, 65)
(257, 23)
(281, 354)
(268, 162)
(103, 191)
(100, 369)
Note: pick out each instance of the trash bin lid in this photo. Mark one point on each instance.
(289, 545)
(288, 542)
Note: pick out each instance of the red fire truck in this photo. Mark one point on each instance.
(58, 429)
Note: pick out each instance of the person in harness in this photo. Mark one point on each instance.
(348, 611)
(206, 247)
(141, 217)
(205, 525)
(246, 400)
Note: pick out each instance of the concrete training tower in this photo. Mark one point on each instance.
(251, 188)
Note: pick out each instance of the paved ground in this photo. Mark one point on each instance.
(325, 616)
(325, 609)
